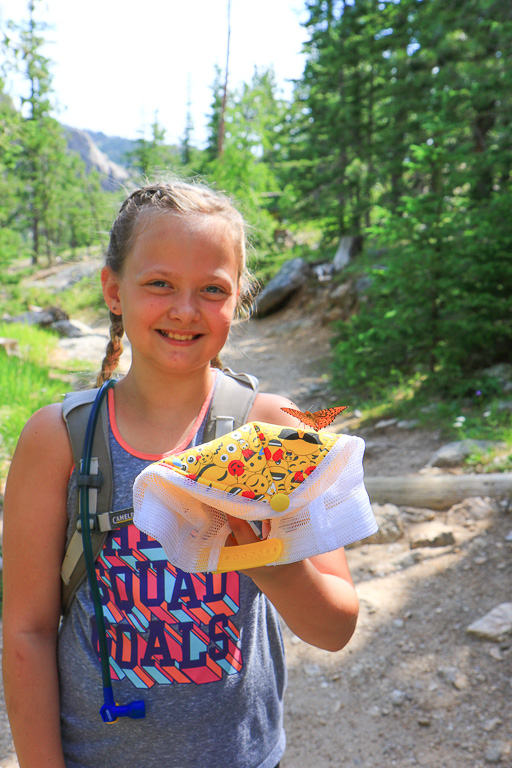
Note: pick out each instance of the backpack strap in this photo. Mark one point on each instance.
(232, 401)
(75, 410)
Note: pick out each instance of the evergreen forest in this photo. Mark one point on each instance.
(399, 132)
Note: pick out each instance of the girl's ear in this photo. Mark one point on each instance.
(110, 285)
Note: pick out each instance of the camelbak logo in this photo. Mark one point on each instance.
(127, 517)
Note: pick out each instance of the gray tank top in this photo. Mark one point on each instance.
(203, 650)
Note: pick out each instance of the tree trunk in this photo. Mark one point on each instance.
(220, 148)
(437, 491)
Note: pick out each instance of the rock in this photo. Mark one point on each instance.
(32, 317)
(454, 454)
(418, 515)
(391, 526)
(430, 534)
(454, 677)
(494, 625)
(496, 751)
(491, 724)
(9, 345)
(502, 372)
(67, 328)
(62, 276)
(474, 507)
(363, 285)
(424, 721)
(86, 329)
(384, 423)
(407, 424)
(288, 280)
(397, 697)
(323, 272)
(112, 175)
(341, 291)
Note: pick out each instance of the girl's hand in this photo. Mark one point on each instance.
(243, 533)
(315, 597)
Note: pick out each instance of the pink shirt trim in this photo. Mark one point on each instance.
(154, 456)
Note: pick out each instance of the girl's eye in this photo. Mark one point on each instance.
(159, 283)
(214, 289)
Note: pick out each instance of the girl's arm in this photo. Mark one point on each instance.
(35, 521)
(316, 597)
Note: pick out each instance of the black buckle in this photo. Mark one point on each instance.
(91, 481)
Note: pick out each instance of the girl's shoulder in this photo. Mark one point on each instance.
(45, 435)
(268, 408)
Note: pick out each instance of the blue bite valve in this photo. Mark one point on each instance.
(110, 711)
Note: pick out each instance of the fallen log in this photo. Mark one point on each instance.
(437, 491)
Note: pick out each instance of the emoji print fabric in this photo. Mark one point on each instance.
(308, 484)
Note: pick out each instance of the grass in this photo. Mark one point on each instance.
(478, 418)
(26, 381)
(82, 299)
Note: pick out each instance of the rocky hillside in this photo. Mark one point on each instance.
(112, 175)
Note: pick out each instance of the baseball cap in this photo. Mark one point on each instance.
(308, 484)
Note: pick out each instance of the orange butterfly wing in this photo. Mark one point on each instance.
(318, 419)
(326, 417)
(306, 418)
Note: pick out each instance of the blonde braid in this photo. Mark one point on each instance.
(216, 363)
(114, 349)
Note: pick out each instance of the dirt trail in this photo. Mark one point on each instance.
(412, 688)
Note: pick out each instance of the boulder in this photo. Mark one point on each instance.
(431, 534)
(33, 317)
(67, 328)
(494, 625)
(454, 454)
(503, 373)
(289, 279)
(390, 522)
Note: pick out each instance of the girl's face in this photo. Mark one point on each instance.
(177, 291)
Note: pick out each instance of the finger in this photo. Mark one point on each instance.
(242, 531)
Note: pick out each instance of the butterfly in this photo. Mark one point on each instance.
(318, 419)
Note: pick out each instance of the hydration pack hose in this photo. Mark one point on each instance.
(110, 711)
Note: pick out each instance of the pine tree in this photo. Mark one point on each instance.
(43, 166)
(151, 155)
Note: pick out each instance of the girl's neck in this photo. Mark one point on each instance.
(155, 414)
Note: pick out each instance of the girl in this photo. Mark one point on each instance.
(175, 277)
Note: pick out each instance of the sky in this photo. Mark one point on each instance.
(118, 62)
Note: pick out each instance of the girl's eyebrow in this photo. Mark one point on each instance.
(162, 271)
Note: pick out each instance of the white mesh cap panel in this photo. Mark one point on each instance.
(330, 509)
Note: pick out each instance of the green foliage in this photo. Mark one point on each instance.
(401, 131)
(248, 168)
(34, 345)
(47, 203)
(439, 306)
(26, 382)
(150, 156)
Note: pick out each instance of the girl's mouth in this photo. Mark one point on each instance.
(179, 336)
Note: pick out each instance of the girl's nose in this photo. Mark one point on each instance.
(184, 308)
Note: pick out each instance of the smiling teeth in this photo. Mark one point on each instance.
(178, 336)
